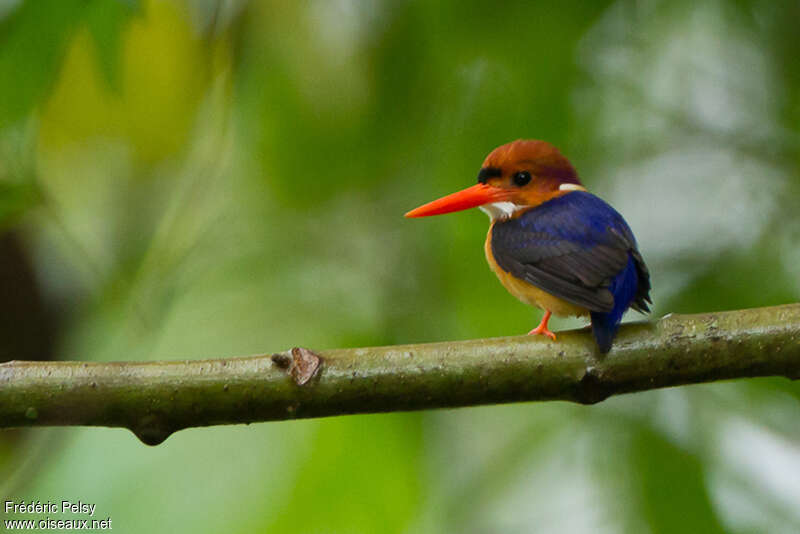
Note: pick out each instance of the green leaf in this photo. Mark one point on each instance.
(107, 20)
(363, 475)
(32, 43)
(15, 199)
(671, 486)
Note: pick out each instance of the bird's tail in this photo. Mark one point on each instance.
(604, 328)
(623, 287)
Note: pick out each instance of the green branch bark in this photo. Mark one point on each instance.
(155, 399)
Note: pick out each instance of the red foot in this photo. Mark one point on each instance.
(542, 328)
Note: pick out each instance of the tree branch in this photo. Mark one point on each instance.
(155, 399)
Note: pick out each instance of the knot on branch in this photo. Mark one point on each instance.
(302, 366)
(152, 430)
(591, 389)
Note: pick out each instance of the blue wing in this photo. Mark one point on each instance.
(578, 248)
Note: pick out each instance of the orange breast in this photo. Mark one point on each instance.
(528, 293)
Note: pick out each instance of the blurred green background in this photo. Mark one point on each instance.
(208, 179)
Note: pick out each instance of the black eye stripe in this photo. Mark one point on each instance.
(489, 172)
(521, 178)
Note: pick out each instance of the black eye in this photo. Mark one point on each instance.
(521, 178)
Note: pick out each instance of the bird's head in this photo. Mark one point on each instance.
(513, 177)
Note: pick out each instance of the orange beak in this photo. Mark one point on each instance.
(471, 197)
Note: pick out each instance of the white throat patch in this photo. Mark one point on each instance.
(500, 210)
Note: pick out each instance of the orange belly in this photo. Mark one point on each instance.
(528, 293)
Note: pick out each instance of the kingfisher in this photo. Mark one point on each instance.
(551, 243)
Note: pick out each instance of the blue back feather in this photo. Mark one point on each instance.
(596, 214)
(579, 217)
(585, 220)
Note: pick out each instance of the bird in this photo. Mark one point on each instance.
(553, 244)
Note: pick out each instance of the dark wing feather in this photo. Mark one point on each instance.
(572, 247)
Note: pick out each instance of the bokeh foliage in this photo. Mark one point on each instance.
(210, 178)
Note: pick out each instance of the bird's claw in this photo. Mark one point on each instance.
(542, 331)
(542, 328)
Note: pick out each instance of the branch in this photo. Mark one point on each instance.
(155, 399)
